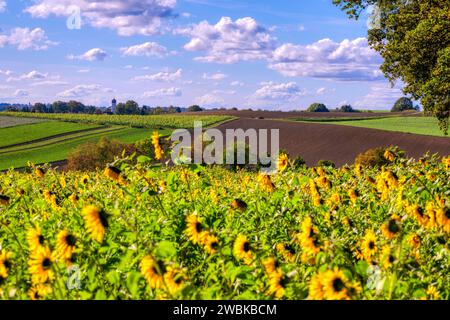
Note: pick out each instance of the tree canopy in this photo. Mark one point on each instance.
(318, 107)
(413, 37)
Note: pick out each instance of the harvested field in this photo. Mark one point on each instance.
(302, 114)
(6, 122)
(340, 144)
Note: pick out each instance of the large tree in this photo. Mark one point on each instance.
(413, 37)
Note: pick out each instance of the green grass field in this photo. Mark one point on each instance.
(59, 150)
(417, 125)
(172, 121)
(26, 133)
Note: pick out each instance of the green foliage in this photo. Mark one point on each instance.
(372, 158)
(413, 38)
(318, 107)
(347, 108)
(326, 163)
(195, 108)
(403, 104)
(94, 155)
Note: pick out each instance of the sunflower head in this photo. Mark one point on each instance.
(391, 228)
(211, 244)
(153, 271)
(369, 246)
(96, 221)
(239, 205)
(242, 249)
(195, 230)
(35, 239)
(4, 200)
(40, 266)
(113, 173)
(283, 162)
(39, 172)
(335, 285)
(65, 245)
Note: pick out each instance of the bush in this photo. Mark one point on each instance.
(403, 104)
(326, 163)
(372, 157)
(298, 162)
(195, 108)
(96, 155)
(347, 108)
(318, 107)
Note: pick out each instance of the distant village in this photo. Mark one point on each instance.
(128, 107)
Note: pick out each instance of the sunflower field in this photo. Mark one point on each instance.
(195, 232)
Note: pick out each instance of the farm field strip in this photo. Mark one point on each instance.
(25, 133)
(7, 122)
(59, 138)
(160, 122)
(410, 124)
(59, 151)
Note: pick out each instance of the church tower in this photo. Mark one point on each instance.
(113, 105)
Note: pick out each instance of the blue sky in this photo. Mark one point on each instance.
(279, 55)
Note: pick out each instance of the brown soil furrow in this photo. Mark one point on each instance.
(340, 144)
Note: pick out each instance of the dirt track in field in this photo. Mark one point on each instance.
(340, 144)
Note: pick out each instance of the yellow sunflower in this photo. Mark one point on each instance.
(369, 246)
(283, 162)
(113, 173)
(316, 291)
(271, 266)
(242, 249)
(39, 292)
(39, 172)
(391, 228)
(211, 244)
(266, 183)
(388, 155)
(156, 145)
(153, 271)
(174, 280)
(277, 284)
(65, 245)
(388, 258)
(286, 251)
(446, 162)
(433, 293)
(195, 229)
(5, 264)
(239, 204)
(309, 240)
(40, 266)
(96, 222)
(335, 285)
(443, 218)
(353, 195)
(35, 239)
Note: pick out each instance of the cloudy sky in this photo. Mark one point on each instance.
(280, 55)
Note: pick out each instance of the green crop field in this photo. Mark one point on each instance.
(152, 122)
(35, 131)
(58, 150)
(417, 125)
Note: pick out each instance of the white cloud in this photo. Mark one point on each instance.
(279, 91)
(148, 49)
(2, 5)
(215, 76)
(301, 28)
(49, 83)
(84, 71)
(351, 60)
(237, 84)
(162, 76)
(323, 90)
(128, 66)
(95, 54)
(126, 17)
(167, 92)
(229, 41)
(25, 38)
(32, 75)
(209, 100)
(83, 90)
(20, 93)
(6, 72)
(381, 96)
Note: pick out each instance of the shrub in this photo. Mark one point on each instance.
(93, 155)
(195, 108)
(318, 107)
(347, 108)
(298, 162)
(372, 157)
(326, 163)
(403, 104)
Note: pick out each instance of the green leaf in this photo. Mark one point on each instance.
(166, 249)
